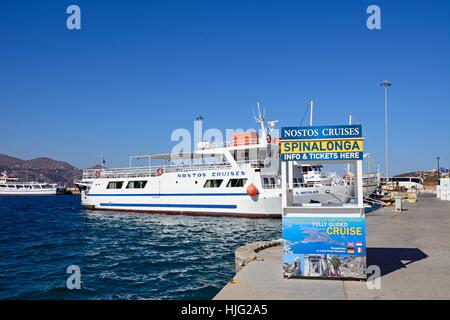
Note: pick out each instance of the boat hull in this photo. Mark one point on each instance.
(29, 193)
(267, 204)
(190, 213)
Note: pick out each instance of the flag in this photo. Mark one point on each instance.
(350, 245)
(444, 170)
(359, 244)
(351, 251)
(360, 250)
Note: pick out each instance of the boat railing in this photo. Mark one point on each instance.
(225, 144)
(311, 184)
(153, 171)
(229, 144)
(271, 185)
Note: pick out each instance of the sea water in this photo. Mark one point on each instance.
(119, 255)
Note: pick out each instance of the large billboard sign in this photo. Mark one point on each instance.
(324, 247)
(322, 143)
(322, 243)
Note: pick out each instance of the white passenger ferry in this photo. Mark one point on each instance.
(240, 178)
(13, 187)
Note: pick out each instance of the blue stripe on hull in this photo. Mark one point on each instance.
(156, 205)
(164, 194)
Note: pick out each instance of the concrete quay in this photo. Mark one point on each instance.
(412, 249)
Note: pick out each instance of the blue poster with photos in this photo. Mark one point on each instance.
(324, 247)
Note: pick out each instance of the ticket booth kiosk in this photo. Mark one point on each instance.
(323, 240)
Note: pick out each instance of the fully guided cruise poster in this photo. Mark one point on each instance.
(324, 247)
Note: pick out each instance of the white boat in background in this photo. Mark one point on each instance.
(13, 187)
(238, 178)
(314, 174)
(371, 182)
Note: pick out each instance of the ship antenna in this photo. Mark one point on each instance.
(261, 120)
(261, 116)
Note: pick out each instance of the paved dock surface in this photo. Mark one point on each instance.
(412, 249)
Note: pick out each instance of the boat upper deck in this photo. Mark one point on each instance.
(154, 171)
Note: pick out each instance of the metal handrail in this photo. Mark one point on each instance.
(315, 184)
(150, 171)
(226, 144)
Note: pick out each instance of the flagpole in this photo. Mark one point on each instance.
(439, 169)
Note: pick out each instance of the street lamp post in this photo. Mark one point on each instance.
(386, 84)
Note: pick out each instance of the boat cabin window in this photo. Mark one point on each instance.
(36, 187)
(115, 185)
(136, 184)
(247, 155)
(19, 186)
(214, 183)
(2, 186)
(305, 169)
(236, 183)
(268, 183)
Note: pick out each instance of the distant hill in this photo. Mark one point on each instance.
(40, 169)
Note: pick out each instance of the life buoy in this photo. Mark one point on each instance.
(252, 191)
(159, 171)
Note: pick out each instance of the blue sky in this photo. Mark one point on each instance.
(139, 69)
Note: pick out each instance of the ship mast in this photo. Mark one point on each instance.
(261, 120)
